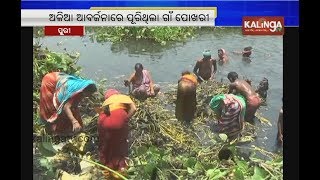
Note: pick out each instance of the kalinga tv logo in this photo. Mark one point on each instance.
(266, 25)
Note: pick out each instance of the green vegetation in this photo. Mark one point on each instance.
(158, 34)
(45, 61)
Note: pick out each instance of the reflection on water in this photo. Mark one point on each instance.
(115, 62)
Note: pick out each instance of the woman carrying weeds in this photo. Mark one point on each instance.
(114, 114)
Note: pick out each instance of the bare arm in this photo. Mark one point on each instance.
(226, 58)
(215, 66)
(131, 110)
(195, 69)
(127, 82)
(243, 52)
(73, 120)
(214, 69)
(67, 110)
(237, 52)
(232, 87)
(151, 83)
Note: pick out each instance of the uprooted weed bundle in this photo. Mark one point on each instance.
(158, 125)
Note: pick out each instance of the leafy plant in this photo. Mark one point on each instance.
(160, 35)
(45, 61)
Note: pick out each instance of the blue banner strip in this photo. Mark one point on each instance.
(230, 13)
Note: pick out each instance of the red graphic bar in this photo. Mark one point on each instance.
(263, 25)
(64, 30)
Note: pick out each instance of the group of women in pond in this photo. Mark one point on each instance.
(61, 93)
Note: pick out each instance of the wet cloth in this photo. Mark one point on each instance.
(190, 77)
(253, 103)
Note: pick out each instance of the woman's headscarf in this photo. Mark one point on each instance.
(110, 92)
(215, 102)
(67, 87)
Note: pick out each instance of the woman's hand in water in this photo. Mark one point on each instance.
(76, 126)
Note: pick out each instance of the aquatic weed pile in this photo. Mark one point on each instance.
(160, 146)
(164, 148)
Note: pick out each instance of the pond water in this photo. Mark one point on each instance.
(115, 62)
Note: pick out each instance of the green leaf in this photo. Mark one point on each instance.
(210, 165)
(45, 152)
(44, 162)
(238, 174)
(153, 150)
(278, 160)
(190, 162)
(143, 30)
(223, 137)
(48, 146)
(163, 164)
(220, 174)
(50, 174)
(198, 166)
(46, 149)
(56, 57)
(242, 165)
(210, 172)
(131, 169)
(161, 152)
(141, 150)
(233, 149)
(216, 174)
(190, 171)
(259, 173)
(149, 168)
